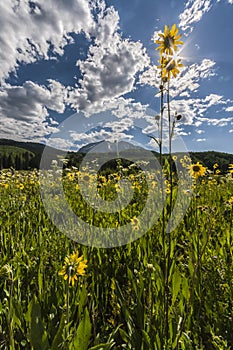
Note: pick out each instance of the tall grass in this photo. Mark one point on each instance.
(119, 303)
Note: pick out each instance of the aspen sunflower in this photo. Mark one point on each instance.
(169, 66)
(169, 40)
(74, 266)
(197, 170)
(230, 167)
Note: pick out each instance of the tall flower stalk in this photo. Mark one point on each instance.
(169, 65)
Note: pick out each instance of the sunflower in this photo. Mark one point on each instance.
(169, 66)
(74, 266)
(169, 40)
(197, 170)
(70, 176)
(230, 167)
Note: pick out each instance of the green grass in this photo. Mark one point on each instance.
(120, 302)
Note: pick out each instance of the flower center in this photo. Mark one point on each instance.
(168, 42)
(196, 168)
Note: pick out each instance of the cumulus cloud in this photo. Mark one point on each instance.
(24, 110)
(30, 102)
(110, 68)
(34, 30)
(30, 29)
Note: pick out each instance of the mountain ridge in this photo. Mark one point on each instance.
(31, 153)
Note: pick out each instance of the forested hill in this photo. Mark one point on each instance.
(27, 155)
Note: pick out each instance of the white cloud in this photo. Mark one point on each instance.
(200, 140)
(150, 76)
(24, 109)
(189, 80)
(230, 108)
(200, 132)
(110, 68)
(215, 122)
(30, 29)
(60, 143)
(31, 101)
(191, 76)
(126, 107)
(194, 10)
(99, 135)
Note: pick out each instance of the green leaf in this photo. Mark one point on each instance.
(58, 337)
(185, 288)
(146, 338)
(38, 335)
(83, 334)
(102, 346)
(176, 282)
(124, 336)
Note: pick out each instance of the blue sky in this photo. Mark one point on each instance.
(82, 71)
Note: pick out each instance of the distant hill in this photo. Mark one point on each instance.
(27, 155)
(23, 155)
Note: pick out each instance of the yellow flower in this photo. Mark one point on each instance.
(21, 186)
(218, 171)
(215, 166)
(169, 40)
(74, 266)
(230, 167)
(135, 223)
(70, 176)
(169, 66)
(197, 170)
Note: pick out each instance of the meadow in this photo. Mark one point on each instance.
(162, 291)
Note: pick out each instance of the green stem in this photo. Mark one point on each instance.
(162, 193)
(168, 260)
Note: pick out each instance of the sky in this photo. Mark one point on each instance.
(74, 72)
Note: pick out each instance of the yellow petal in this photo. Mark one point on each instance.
(174, 30)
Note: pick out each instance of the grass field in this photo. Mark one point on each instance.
(162, 291)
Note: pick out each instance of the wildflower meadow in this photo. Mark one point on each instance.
(171, 288)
